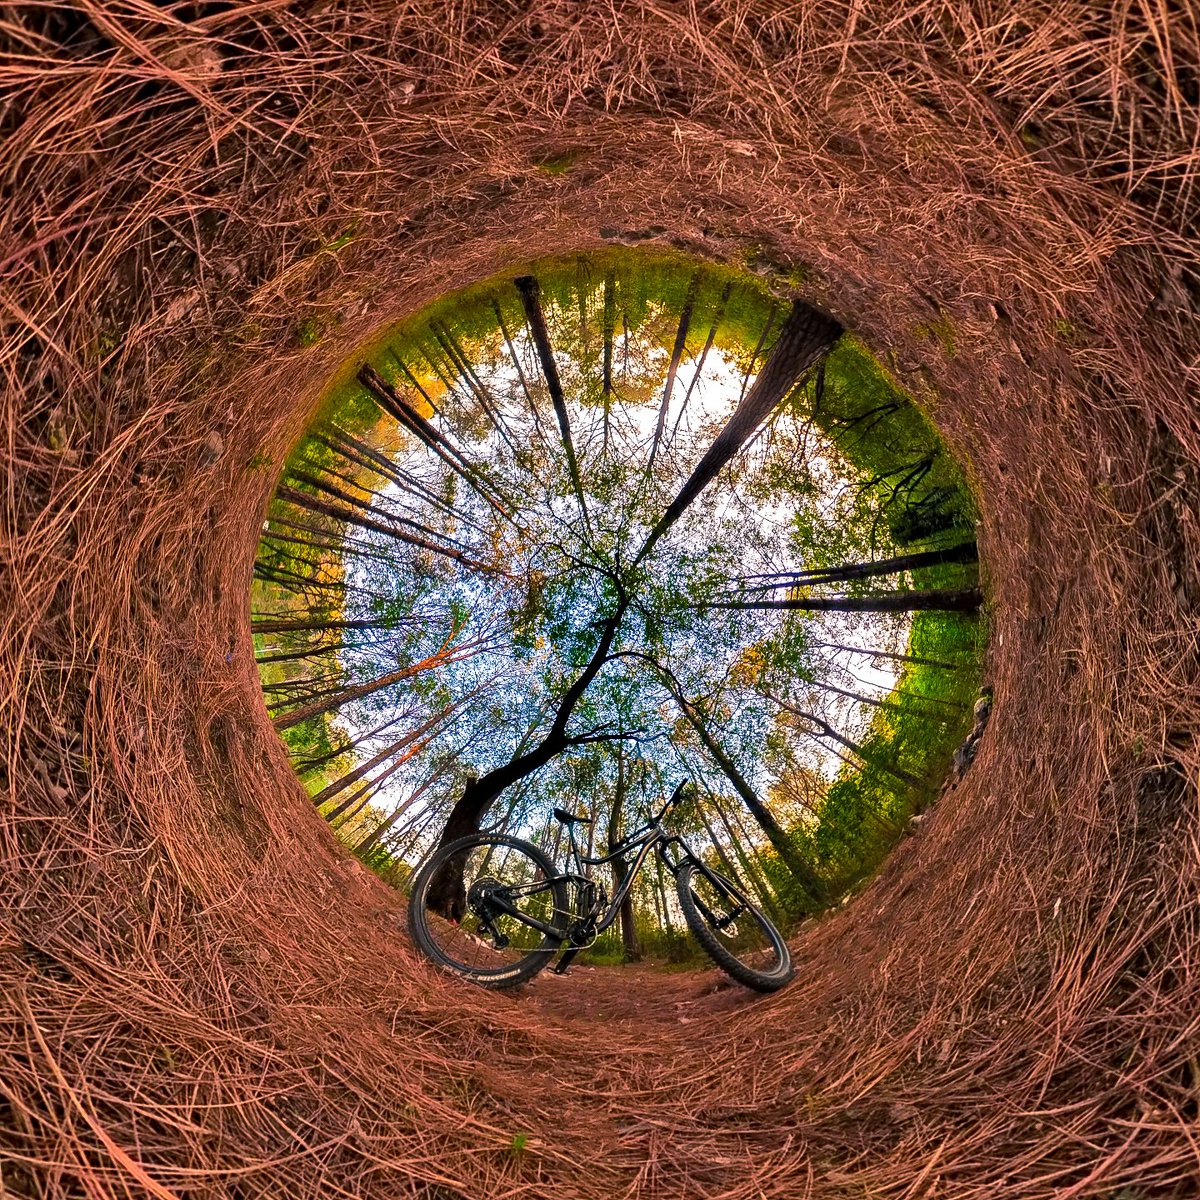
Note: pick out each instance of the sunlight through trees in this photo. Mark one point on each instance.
(585, 530)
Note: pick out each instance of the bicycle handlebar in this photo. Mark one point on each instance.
(672, 800)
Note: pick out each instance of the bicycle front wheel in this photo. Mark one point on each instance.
(735, 933)
(514, 910)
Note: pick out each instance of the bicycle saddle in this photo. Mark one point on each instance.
(566, 818)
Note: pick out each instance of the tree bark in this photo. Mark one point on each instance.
(668, 926)
(685, 321)
(757, 886)
(967, 600)
(527, 285)
(610, 323)
(965, 552)
(620, 869)
(305, 765)
(359, 799)
(446, 892)
(806, 336)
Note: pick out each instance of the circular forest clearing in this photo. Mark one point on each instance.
(419, 419)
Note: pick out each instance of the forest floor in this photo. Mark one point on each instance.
(644, 994)
(651, 993)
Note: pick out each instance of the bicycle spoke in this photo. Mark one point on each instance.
(507, 890)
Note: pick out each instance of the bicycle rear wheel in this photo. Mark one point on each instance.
(735, 933)
(515, 917)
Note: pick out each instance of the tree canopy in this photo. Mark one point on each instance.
(582, 530)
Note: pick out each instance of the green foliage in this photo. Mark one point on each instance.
(866, 809)
(847, 470)
(559, 163)
(940, 329)
(308, 331)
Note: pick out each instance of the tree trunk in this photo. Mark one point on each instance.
(620, 869)
(805, 337)
(418, 826)
(762, 340)
(311, 652)
(323, 485)
(888, 703)
(668, 927)
(828, 730)
(867, 652)
(416, 383)
(362, 455)
(395, 405)
(350, 517)
(312, 625)
(746, 855)
(516, 362)
(965, 552)
(708, 345)
(306, 765)
(527, 285)
(358, 691)
(610, 322)
(805, 876)
(395, 748)
(462, 364)
(446, 892)
(397, 813)
(367, 790)
(757, 885)
(727, 291)
(685, 321)
(968, 600)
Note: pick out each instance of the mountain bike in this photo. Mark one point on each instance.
(519, 910)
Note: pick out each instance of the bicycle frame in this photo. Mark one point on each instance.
(649, 837)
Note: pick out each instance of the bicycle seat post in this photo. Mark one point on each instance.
(576, 863)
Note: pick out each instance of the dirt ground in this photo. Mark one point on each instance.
(637, 995)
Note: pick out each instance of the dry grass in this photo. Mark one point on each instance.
(199, 995)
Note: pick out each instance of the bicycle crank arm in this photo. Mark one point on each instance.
(567, 957)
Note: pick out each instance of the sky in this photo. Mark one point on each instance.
(713, 397)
